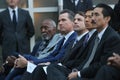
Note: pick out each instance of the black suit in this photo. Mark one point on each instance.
(15, 38)
(71, 53)
(109, 43)
(81, 6)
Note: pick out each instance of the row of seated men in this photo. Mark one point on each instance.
(81, 51)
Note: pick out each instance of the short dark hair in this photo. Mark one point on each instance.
(70, 14)
(89, 9)
(107, 10)
(81, 13)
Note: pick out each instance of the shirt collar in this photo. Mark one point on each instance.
(80, 36)
(100, 34)
(10, 9)
(91, 32)
(68, 35)
(76, 1)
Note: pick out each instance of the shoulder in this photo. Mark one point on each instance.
(4, 11)
(112, 34)
(56, 37)
(23, 10)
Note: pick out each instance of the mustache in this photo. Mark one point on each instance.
(93, 22)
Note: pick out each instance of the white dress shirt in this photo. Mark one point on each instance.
(11, 13)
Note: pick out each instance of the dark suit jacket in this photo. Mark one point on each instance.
(79, 54)
(110, 42)
(12, 36)
(81, 6)
(72, 53)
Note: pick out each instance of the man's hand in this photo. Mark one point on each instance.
(10, 60)
(114, 60)
(2, 69)
(20, 62)
(72, 75)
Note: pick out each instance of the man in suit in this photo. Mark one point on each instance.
(44, 47)
(106, 46)
(66, 29)
(77, 5)
(16, 29)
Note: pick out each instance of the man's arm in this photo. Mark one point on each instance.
(114, 60)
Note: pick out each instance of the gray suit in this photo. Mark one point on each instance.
(15, 38)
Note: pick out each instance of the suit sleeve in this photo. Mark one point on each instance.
(50, 58)
(29, 25)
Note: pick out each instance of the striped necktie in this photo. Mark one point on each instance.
(92, 53)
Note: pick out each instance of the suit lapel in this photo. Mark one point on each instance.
(71, 38)
(104, 36)
(8, 16)
(19, 17)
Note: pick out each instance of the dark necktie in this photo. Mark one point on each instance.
(92, 53)
(61, 43)
(14, 18)
(86, 40)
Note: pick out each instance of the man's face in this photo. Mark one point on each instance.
(79, 22)
(65, 24)
(47, 30)
(98, 18)
(88, 20)
(12, 3)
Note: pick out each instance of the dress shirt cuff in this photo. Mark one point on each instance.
(79, 75)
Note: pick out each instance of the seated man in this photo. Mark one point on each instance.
(64, 44)
(42, 48)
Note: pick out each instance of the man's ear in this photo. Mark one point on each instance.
(108, 19)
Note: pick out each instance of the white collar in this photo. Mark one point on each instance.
(100, 34)
(10, 9)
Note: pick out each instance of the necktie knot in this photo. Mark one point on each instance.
(13, 11)
(97, 38)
